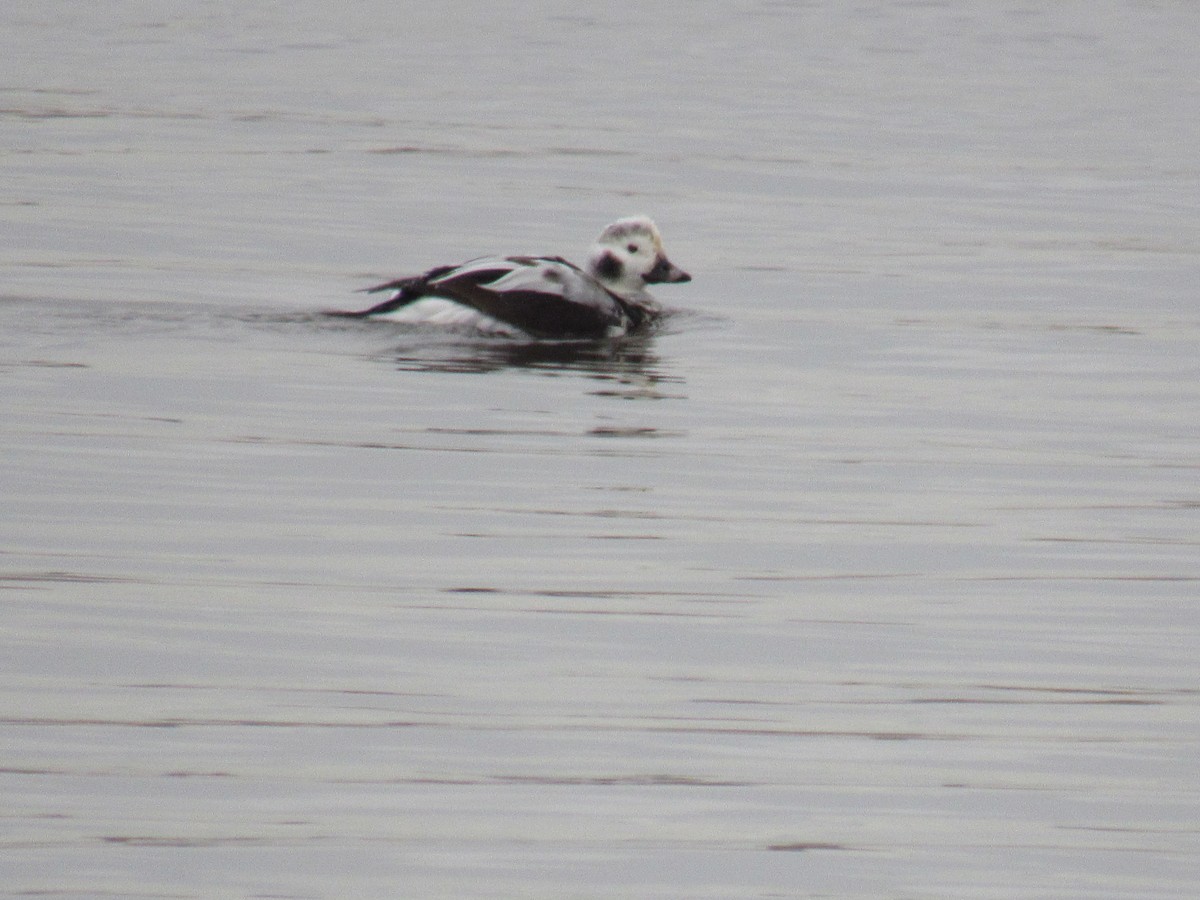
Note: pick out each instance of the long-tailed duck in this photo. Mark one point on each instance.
(541, 296)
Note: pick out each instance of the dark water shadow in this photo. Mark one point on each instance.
(478, 355)
(630, 366)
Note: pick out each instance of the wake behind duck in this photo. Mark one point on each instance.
(540, 296)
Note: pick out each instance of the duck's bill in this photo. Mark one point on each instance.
(666, 272)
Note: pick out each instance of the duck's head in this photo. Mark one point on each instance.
(629, 255)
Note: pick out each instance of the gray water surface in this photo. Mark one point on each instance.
(872, 573)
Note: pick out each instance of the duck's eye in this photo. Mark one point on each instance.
(632, 248)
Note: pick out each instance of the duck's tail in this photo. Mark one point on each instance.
(407, 290)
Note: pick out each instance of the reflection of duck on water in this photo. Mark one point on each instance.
(626, 367)
(541, 296)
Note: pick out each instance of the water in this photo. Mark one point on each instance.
(873, 574)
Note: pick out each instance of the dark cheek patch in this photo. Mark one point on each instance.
(609, 267)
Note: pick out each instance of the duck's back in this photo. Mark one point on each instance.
(540, 296)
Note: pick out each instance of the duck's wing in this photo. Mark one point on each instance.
(544, 296)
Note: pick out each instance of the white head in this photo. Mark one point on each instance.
(629, 255)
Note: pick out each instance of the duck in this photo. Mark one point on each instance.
(540, 297)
